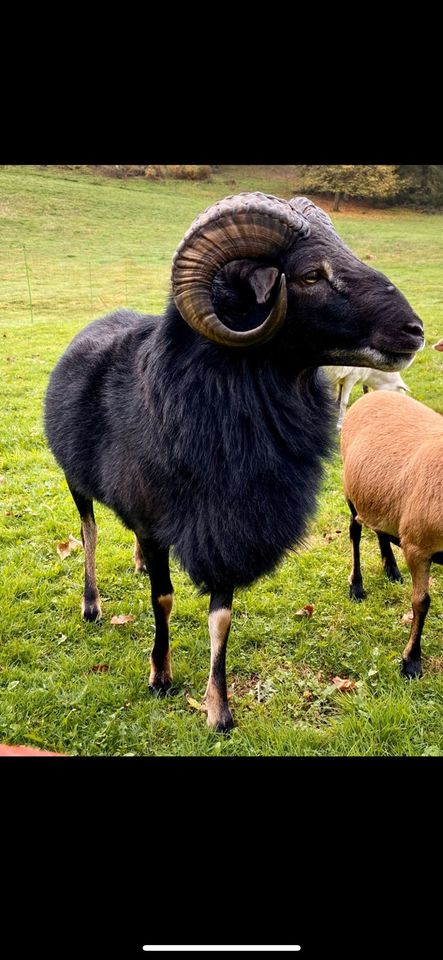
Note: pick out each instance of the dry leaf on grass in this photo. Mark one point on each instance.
(65, 548)
(100, 668)
(329, 537)
(122, 618)
(345, 684)
(196, 705)
(408, 617)
(434, 664)
(305, 611)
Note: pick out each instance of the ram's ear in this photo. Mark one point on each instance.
(262, 280)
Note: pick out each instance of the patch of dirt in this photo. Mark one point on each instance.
(351, 207)
(241, 684)
(6, 213)
(434, 664)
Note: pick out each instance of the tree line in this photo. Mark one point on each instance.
(383, 184)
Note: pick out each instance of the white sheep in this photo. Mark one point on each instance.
(345, 378)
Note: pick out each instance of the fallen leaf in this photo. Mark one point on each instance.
(67, 546)
(196, 705)
(345, 684)
(2, 479)
(100, 668)
(122, 618)
(305, 611)
(438, 345)
(408, 617)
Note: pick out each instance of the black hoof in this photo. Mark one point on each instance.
(223, 724)
(91, 612)
(393, 574)
(411, 669)
(160, 687)
(356, 592)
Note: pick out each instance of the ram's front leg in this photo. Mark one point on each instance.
(216, 697)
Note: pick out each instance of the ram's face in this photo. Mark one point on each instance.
(341, 311)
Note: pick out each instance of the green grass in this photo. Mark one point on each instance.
(94, 244)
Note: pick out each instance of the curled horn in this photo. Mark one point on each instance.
(246, 225)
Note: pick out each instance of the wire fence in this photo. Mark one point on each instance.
(36, 287)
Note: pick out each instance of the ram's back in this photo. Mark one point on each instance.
(93, 379)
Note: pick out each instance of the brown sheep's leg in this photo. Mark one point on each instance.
(419, 567)
(216, 696)
(356, 591)
(156, 561)
(91, 609)
(388, 558)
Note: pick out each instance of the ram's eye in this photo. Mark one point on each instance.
(312, 277)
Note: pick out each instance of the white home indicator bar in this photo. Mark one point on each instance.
(243, 949)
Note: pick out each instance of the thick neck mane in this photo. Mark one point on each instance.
(232, 421)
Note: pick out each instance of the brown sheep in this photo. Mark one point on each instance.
(392, 449)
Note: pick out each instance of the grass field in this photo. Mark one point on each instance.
(93, 244)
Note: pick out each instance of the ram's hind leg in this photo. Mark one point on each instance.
(155, 560)
(91, 609)
(139, 560)
(219, 714)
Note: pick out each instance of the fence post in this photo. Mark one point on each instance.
(90, 287)
(29, 283)
(18, 243)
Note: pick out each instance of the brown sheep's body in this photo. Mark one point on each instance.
(392, 448)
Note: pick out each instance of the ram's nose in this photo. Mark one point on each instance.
(414, 328)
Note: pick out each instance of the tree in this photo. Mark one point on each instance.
(421, 184)
(355, 180)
